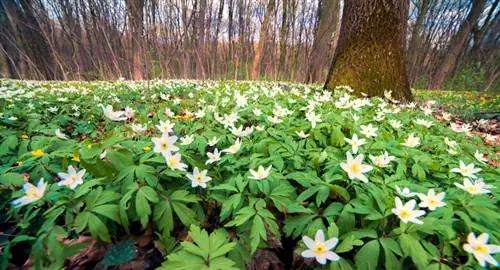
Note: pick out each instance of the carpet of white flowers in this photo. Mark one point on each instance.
(218, 172)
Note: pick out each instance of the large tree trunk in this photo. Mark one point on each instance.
(259, 51)
(199, 36)
(328, 11)
(135, 10)
(370, 54)
(456, 46)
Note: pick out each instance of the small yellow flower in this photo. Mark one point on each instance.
(37, 153)
(92, 116)
(24, 137)
(89, 146)
(19, 163)
(76, 157)
(146, 148)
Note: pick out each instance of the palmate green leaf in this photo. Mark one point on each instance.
(8, 144)
(295, 226)
(111, 211)
(120, 159)
(163, 216)
(257, 232)
(183, 260)
(201, 239)
(341, 264)
(143, 209)
(367, 256)
(186, 215)
(412, 248)
(348, 244)
(205, 252)
(230, 205)
(97, 228)
(337, 137)
(242, 216)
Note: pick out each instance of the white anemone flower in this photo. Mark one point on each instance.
(113, 115)
(411, 141)
(407, 212)
(382, 160)
(138, 128)
(32, 193)
(369, 131)
(198, 178)
(261, 173)
(313, 118)
(233, 148)
(475, 187)
(466, 170)
(71, 179)
(301, 134)
(480, 157)
(187, 140)
(355, 168)
(480, 248)
(174, 161)
(319, 248)
(405, 192)
(431, 200)
(213, 157)
(213, 141)
(165, 144)
(166, 126)
(60, 135)
(355, 143)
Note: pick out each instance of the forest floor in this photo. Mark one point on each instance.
(277, 178)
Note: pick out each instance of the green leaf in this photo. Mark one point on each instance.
(120, 159)
(97, 228)
(185, 214)
(120, 253)
(142, 207)
(348, 244)
(110, 211)
(149, 193)
(367, 256)
(14, 179)
(337, 137)
(257, 232)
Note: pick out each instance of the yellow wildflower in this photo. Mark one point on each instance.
(24, 137)
(37, 153)
(146, 148)
(76, 157)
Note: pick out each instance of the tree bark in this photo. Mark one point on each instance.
(416, 42)
(259, 51)
(135, 10)
(370, 54)
(328, 11)
(456, 46)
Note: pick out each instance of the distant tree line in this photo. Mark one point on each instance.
(447, 42)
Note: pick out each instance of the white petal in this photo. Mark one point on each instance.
(308, 254)
(308, 241)
(331, 243)
(332, 256)
(320, 236)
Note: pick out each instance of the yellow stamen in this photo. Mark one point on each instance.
(404, 214)
(483, 249)
(320, 248)
(356, 168)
